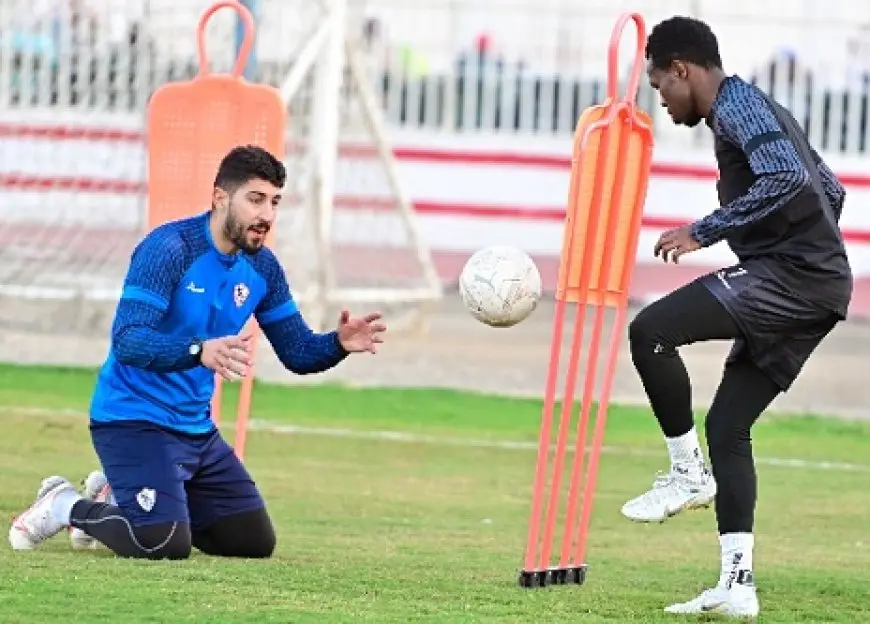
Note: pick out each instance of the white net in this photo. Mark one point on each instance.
(75, 78)
(360, 242)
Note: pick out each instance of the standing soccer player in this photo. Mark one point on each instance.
(192, 285)
(779, 211)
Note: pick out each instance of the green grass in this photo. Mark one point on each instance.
(388, 531)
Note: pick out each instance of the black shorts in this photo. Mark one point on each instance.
(780, 328)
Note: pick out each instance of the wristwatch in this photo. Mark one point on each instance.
(195, 350)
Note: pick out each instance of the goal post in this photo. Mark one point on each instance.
(253, 7)
(349, 200)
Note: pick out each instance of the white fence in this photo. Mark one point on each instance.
(496, 66)
(481, 97)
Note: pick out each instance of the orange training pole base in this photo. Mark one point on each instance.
(612, 155)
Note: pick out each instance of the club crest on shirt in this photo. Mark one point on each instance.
(240, 294)
(146, 498)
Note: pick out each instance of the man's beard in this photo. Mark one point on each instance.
(236, 232)
(691, 122)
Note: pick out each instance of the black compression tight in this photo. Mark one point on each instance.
(249, 534)
(692, 314)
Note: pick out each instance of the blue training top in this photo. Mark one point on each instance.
(179, 289)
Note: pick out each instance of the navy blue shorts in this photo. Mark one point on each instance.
(161, 476)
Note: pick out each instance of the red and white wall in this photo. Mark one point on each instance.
(473, 191)
(469, 191)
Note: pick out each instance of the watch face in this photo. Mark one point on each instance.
(194, 349)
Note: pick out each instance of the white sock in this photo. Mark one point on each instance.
(736, 557)
(685, 449)
(62, 505)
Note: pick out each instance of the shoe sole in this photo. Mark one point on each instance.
(718, 611)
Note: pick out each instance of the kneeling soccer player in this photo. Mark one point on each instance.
(171, 481)
(780, 211)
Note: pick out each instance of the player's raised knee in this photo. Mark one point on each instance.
(643, 329)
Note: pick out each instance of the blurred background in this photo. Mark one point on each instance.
(477, 101)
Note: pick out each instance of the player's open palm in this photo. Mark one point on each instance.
(230, 356)
(358, 334)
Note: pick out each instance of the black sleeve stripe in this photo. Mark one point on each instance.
(757, 141)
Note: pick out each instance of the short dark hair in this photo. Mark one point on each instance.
(246, 163)
(683, 39)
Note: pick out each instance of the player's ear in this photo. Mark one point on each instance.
(680, 69)
(219, 198)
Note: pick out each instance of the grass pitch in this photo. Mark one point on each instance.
(432, 526)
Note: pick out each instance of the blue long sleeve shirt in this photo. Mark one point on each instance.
(741, 117)
(179, 289)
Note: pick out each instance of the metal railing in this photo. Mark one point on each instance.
(469, 71)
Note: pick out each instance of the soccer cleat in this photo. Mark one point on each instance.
(671, 493)
(37, 523)
(738, 600)
(94, 488)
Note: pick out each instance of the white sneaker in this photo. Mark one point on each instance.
(671, 493)
(739, 600)
(95, 488)
(37, 523)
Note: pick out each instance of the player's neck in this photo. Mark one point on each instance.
(220, 240)
(713, 82)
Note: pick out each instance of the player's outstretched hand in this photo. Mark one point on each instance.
(360, 334)
(675, 243)
(229, 357)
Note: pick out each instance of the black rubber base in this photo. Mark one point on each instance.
(571, 575)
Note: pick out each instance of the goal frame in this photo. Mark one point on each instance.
(330, 50)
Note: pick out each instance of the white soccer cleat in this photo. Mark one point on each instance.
(95, 488)
(671, 493)
(740, 600)
(37, 523)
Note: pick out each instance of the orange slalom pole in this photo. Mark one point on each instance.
(586, 265)
(609, 179)
(610, 365)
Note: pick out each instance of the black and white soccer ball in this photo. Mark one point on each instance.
(500, 285)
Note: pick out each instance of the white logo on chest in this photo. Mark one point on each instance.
(240, 294)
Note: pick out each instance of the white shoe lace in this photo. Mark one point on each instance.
(660, 487)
